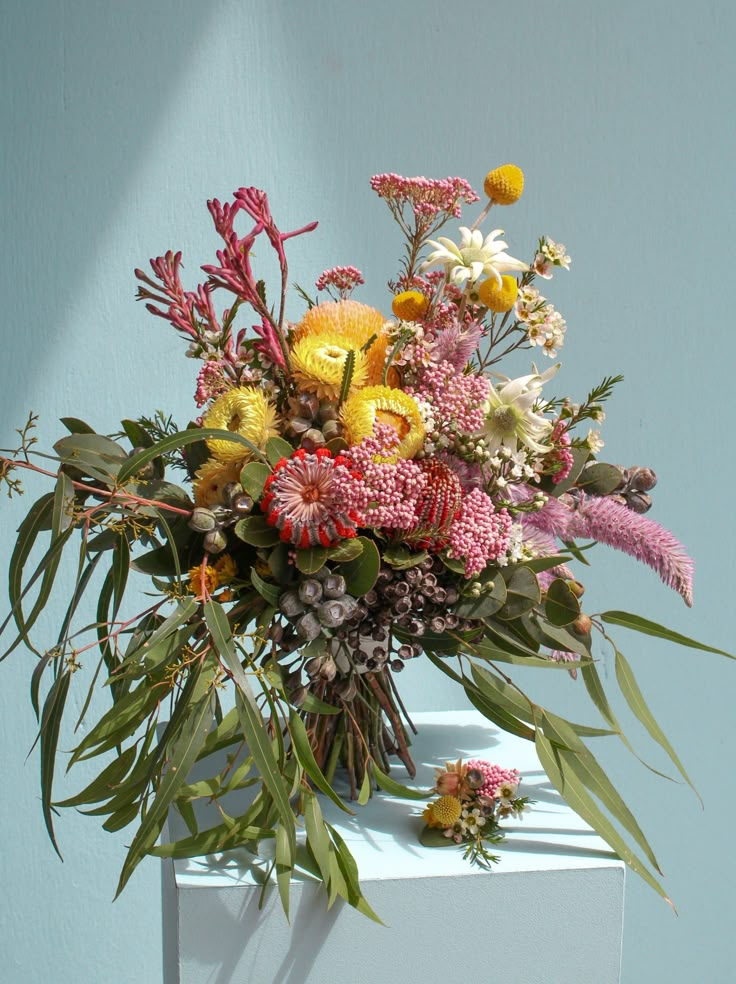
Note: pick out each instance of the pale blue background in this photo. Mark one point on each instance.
(120, 120)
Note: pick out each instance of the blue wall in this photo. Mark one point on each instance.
(120, 120)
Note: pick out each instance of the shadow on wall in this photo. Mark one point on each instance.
(85, 88)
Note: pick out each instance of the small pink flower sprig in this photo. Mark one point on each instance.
(473, 798)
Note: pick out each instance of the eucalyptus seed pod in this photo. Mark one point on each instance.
(331, 613)
(275, 632)
(403, 606)
(291, 604)
(298, 426)
(311, 667)
(332, 429)
(405, 651)
(202, 520)
(451, 595)
(582, 624)
(639, 502)
(642, 479)
(327, 411)
(416, 626)
(439, 595)
(230, 490)
(242, 505)
(474, 778)
(310, 591)
(378, 634)
(396, 666)
(298, 696)
(312, 440)
(215, 541)
(308, 627)
(401, 589)
(334, 586)
(328, 670)
(347, 689)
(437, 624)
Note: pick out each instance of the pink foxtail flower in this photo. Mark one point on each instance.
(602, 518)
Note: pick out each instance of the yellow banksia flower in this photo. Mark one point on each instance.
(318, 363)
(226, 568)
(443, 812)
(384, 405)
(212, 478)
(410, 305)
(505, 184)
(211, 579)
(355, 324)
(244, 410)
(497, 298)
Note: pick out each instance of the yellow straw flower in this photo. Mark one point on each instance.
(504, 185)
(383, 405)
(245, 411)
(410, 305)
(443, 812)
(355, 324)
(211, 579)
(318, 363)
(226, 568)
(212, 478)
(497, 298)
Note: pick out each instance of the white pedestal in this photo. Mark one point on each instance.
(550, 913)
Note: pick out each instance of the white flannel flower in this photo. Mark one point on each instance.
(474, 257)
(511, 418)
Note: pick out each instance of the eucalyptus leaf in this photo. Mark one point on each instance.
(253, 477)
(360, 573)
(276, 449)
(561, 606)
(644, 625)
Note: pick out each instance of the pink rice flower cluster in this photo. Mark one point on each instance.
(211, 383)
(340, 281)
(479, 533)
(456, 400)
(493, 777)
(307, 499)
(558, 463)
(387, 492)
(426, 196)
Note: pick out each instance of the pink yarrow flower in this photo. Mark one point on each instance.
(426, 196)
(340, 281)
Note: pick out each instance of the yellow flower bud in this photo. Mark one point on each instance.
(504, 184)
(410, 305)
(498, 298)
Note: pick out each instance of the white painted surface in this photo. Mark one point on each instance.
(551, 913)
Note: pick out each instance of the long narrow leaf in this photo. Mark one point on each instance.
(184, 756)
(303, 750)
(644, 625)
(53, 711)
(573, 791)
(179, 440)
(635, 700)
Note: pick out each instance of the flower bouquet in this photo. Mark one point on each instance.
(359, 492)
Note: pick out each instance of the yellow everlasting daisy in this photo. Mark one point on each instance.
(504, 185)
(211, 579)
(443, 812)
(498, 298)
(384, 405)
(410, 305)
(318, 363)
(355, 324)
(245, 411)
(212, 478)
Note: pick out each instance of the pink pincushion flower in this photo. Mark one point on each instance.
(307, 498)
(494, 777)
(479, 533)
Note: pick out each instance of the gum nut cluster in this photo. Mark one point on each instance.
(416, 600)
(213, 521)
(313, 422)
(632, 490)
(317, 606)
